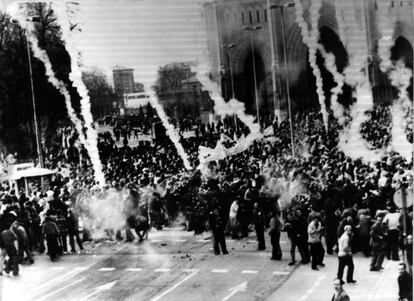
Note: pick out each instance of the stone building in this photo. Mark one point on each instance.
(225, 24)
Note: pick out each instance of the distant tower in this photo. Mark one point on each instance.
(123, 80)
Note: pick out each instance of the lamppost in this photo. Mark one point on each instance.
(229, 47)
(36, 126)
(251, 29)
(281, 7)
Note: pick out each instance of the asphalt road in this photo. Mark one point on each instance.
(171, 265)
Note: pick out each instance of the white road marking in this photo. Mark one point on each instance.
(61, 289)
(312, 288)
(174, 286)
(280, 273)
(106, 269)
(190, 270)
(155, 240)
(249, 272)
(99, 289)
(133, 269)
(239, 288)
(180, 240)
(57, 268)
(81, 268)
(162, 270)
(219, 271)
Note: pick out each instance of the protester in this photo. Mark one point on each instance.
(259, 221)
(11, 246)
(345, 256)
(405, 284)
(274, 232)
(217, 227)
(340, 294)
(314, 239)
(377, 243)
(50, 231)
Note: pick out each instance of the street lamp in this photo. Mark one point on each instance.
(38, 143)
(229, 47)
(281, 7)
(251, 29)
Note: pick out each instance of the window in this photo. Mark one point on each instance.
(258, 16)
(242, 17)
(250, 17)
(265, 16)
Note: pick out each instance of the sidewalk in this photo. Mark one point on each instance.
(308, 285)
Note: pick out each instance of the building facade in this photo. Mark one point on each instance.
(276, 29)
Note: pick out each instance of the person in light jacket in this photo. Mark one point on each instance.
(345, 256)
(317, 251)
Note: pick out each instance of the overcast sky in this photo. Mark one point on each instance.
(142, 34)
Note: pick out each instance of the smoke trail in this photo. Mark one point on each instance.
(399, 76)
(220, 106)
(350, 140)
(401, 79)
(341, 23)
(339, 79)
(44, 58)
(76, 77)
(310, 38)
(171, 132)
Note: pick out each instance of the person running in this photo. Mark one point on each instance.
(317, 251)
(345, 256)
(340, 294)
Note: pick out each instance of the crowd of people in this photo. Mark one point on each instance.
(321, 192)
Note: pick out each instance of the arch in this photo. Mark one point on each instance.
(403, 50)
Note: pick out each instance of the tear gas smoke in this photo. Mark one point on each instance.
(310, 38)
(68, 37)
(220, 106)
(337, 108)
(350, 140)
(41, 55)
(171, 132)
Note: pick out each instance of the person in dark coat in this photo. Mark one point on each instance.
(274, 232)
(50, 231)
(72, 226)
(340, 294)
(259, 222)
(299, 234)
(217, 227)
(405, 284)
(11, 246)
(377, 243)
(23, 242)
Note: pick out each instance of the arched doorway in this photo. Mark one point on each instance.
(244, 85)
(403, 51)
(304, 91)
(385, 93)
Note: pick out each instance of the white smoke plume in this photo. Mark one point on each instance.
(401, 78)
(171, 132)
(220, 106)
(75, 76)
(41, 55)
(350, 140)
(337, 108)
(310, 38)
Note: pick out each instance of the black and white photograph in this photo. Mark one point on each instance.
(206, 150)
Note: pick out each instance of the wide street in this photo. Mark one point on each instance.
(176, 265)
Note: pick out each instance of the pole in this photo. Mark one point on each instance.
(39, 151)
(404, 211)
(287, 84)
(274, 63)
(232, 84)
(254, 78)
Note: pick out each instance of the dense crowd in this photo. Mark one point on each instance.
(319, 192)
